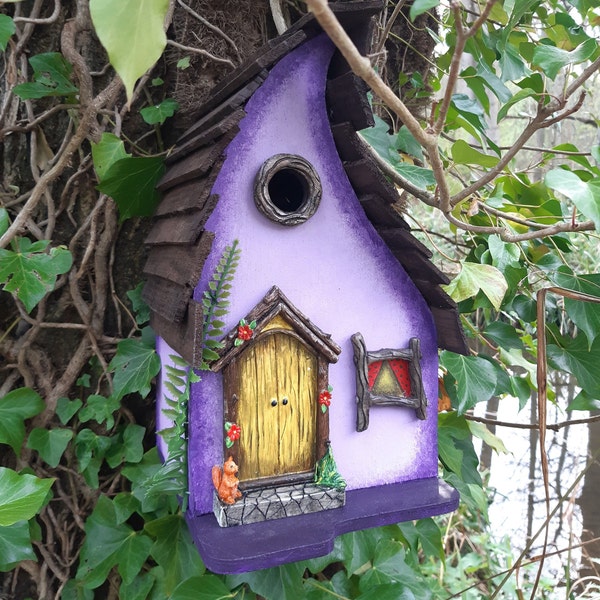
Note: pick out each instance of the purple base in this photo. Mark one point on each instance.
(272, 543)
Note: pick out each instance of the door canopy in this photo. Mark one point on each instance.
(271, 311)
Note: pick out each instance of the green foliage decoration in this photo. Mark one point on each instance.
(215, 303)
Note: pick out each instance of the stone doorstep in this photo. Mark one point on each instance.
(277, 503)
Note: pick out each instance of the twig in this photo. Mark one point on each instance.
(201, 52)
(42, 21)
(212, 27)
(552, 426)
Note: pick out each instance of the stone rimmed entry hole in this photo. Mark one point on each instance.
(287, 189)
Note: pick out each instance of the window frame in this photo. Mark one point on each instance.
(365, 398)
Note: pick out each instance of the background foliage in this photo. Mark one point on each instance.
(488, 128)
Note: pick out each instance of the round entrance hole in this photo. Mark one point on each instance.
(287, 189)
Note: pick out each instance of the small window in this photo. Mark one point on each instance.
(287, 189)
(387, 378)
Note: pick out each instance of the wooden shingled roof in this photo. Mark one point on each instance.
(178, 245)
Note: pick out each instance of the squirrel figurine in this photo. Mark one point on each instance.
(226, 482)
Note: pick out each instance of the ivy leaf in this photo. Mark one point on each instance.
(100, 409)
(66, 409)
(455, 446)
(418, 7)
(283, 583)
(108, 543)
(418, 176)
(474, 278)
(174, 550)
(74, 590)
(576, 356)
(475, 379)
(31, 272)
(7, 29)
(586, 315)
(106, 152)
(483, 433)
(158, 114)
(464, 154)
(51, 77)
(504, 335)
(131, 183)
(22, 496)
(584, 195)
(552, 59)
(584, 402)
(389, 566)
(15, 407)
(134, 365)
(389, 591)
(204, 587)
(15, 545)
(132, 32)
(50, 444)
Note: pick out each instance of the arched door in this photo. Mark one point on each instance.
(276, 407)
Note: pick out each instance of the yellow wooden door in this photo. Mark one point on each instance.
(277, 408)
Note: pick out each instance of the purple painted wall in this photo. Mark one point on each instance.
(334, 268)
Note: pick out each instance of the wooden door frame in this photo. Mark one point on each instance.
(276, 304)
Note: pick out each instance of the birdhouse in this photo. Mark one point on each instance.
(316, 412)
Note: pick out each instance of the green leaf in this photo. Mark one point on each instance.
(584, 402)
(475, 379)
(22, 496)
(109, 543)
(183, 63)
(51, 77)
(139, 588)
(100, 409)
(174, 550)
(418, 176)
(465, 154)
(15, 407)
(552, 59)
(15, 545)
(131, 183)
(504, 335)
(281, 583)
(483, 433)
(576, 356)
(106, 153)
(74, 590)
(50, 444)
(159, 113)
(204, 587)
(7, 29)
(474, 278)
(584, 195)
(140, 308)
(4, 221)
(455, 446)
(31, 272)
(586, 315)
(418, 7)
(66, 409)
(389, 591)
(132, 31)
(518, 97)
(135, 364)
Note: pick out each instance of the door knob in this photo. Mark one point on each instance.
(285, 401)
(273, 402)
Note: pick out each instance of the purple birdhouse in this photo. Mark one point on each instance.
(279, 263)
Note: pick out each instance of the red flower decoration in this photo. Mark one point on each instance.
(325, 398)
(244, 332)
(234, 432)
